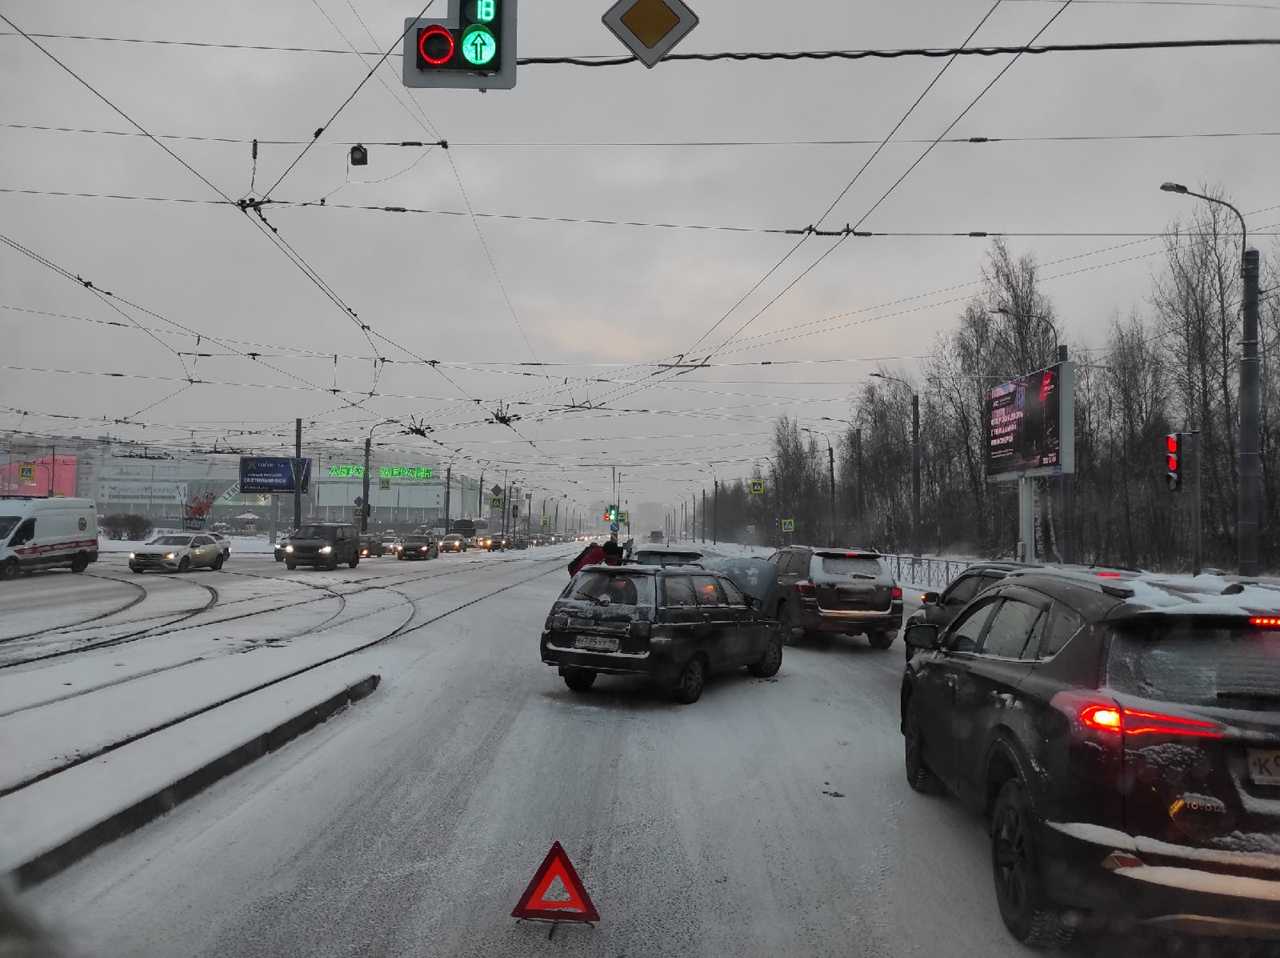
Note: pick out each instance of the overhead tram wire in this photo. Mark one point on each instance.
(666, 144)
(920, 159)
(735, 56)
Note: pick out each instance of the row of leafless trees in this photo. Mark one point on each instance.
(1168, 364)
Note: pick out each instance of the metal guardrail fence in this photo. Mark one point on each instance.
(924, 572)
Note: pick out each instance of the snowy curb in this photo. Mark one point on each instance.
(132, 817)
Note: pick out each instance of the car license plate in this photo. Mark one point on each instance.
(597, 643)
(1264, 766)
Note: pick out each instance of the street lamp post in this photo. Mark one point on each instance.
(915, 458)
(368, 449)
(1249, 504)
(831, 469)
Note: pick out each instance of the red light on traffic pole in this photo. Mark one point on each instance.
(443, 54)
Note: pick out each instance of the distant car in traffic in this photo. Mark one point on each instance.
(521, 543)
(656, 536)
(1122, 733)
(371, 547)
(941, 609)
(177, 553)
(496, 543)
(323, 545)
(452, 543)
(418, 547)
(674, 627)
(837, 591)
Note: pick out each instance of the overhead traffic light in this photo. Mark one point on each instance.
(473, 48)
(1173, 460)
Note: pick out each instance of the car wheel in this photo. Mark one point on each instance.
(1023, 906)
(9, 569)
(881, 640)
(770, 661)
(355, 561)
(579, 680)
(185, 564)
(217, 563)
(919, 776)
(135, 570)
(291, 566)
(279, 558)
(333, 565)
(80, 562)
(693, 677)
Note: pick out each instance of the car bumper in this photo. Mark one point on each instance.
(650, 664)
(815, 619)
(1121, 883)
(309, 559)
(154, 565)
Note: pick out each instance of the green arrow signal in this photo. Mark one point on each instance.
(479, 46)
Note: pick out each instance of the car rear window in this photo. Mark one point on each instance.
(621, 588)
(651, 557)
(853, 566)
(1193, 663)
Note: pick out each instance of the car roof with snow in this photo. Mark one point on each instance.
(1127, 593)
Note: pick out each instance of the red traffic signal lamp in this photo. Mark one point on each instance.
(1173, 460)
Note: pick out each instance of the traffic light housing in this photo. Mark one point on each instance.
(1174, 462)
(473, 48)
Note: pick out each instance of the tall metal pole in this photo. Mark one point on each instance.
(715, 512)
(1197, 549)
(448, 488)
(831, 469)
(704, 516)
(364, 499)
(1250, 506)
(297, 473)
(915, 472)
(480, 496)
(857, 454)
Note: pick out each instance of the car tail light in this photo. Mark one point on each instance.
(806, 589)
(895, 593)
(1265, 621)
(1108, 575)
(1110, 718)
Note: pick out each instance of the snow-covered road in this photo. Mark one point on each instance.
(770, 818)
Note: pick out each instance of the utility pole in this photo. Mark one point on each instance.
(1250, 506)
(715, 511)
(915, 471)
(364, 498)
(831, 469)
(480, 497)
(857, 455)
(297, 473)
(448, 488)
(704, 516)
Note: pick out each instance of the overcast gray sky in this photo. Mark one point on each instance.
(584, 294)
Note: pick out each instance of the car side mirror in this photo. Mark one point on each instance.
(931, 598)
(922, 635)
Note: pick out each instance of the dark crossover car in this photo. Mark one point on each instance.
(371, 547)
(1122, 732)
(673, 626)
(417, 547)
(323, 544)
(838, 591)
(942, 609)
(452, 543)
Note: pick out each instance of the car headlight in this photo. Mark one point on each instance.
(325, 550)
(288, 548)
(426, 549)
(364, 553)
(133, 555)
(171, 556)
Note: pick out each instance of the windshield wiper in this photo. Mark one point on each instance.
(860, 575)
(1259, 695)
(595, 599)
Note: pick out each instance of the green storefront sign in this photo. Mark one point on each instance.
(413, 473)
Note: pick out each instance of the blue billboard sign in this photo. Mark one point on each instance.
(268, 474)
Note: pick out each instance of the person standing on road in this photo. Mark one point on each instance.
(592, 554)
(612, 551)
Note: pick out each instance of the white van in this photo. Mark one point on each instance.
(46, 534)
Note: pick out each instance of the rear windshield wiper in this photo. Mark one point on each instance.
(1255, 696)
(586, 595)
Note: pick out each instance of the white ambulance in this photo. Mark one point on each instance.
(46, 534)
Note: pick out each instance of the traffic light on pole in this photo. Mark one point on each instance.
(473, 48)
(1173, 461)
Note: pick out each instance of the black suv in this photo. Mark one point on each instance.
(674, 626)
(837, 591)
(323, 544)
(942, 609)
(1122, 731)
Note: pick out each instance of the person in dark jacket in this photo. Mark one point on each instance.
(592, 554)
(612, 551)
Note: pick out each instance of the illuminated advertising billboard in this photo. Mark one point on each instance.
(270, 474)
(1030, 428)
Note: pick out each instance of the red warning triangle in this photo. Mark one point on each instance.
(556, 892)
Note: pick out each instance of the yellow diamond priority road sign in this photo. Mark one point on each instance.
(650, 28)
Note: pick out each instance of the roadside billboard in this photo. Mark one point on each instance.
(1030, 425)
(271, 474)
